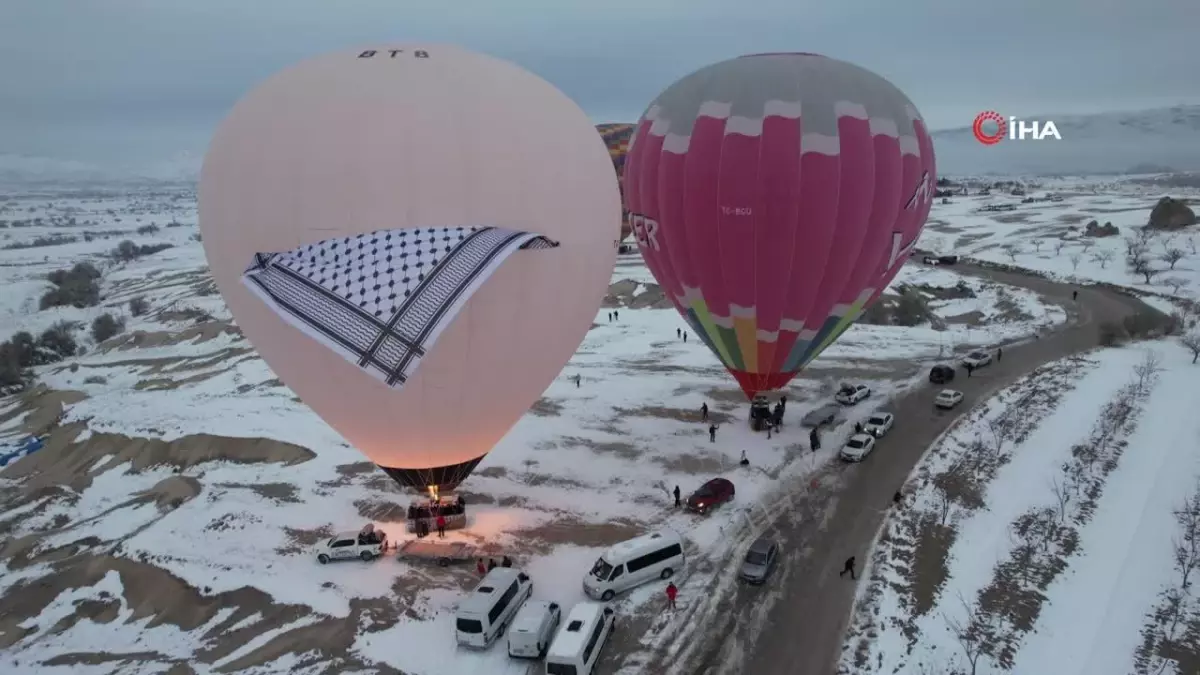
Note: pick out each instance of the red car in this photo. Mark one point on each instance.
(710, 495)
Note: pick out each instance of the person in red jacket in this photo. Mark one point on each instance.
(480, 567)
(672, 591)
(441, 525)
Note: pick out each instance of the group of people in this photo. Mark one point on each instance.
(421, 515)
(491, 564)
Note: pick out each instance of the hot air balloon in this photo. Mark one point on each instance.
(774, 197)
(416, 239)
(616, 136)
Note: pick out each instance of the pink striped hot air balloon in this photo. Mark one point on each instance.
(774, 197)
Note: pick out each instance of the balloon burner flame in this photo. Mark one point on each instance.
(433, 492)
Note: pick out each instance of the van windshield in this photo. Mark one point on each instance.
(601, 570)
(470, 626)
(560, 669)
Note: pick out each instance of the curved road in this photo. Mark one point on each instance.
(795, 625)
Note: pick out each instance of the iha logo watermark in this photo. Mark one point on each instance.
(990, 128)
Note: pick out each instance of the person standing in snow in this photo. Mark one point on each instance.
(1074, 295)
(678, 332)
(814, 439)
(858, 427)
(848, 567)
(480, 567)
(677, 502)
(610, 317)
(704, 412)
(616, 315)
(441, 525)
(685, 336)
(897, 498)
(491, 564)
(970, 369)
(712, 433)
(999, 354)
(506, 562)
(770, 427)
(578, 380)
(672, 591)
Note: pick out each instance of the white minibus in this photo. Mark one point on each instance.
(633, 563)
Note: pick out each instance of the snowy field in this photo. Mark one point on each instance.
(1049, 237)
(1040, 534)
(170, 517)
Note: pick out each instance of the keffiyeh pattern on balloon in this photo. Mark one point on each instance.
(381, 299)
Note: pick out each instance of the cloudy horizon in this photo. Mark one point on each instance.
(142, 82)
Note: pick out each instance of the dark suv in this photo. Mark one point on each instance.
(941, 374)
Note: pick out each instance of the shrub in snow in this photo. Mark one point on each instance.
(138, 306)
(77, 287)
(127, 250)
(57, 342)
(105, 326)
(148, 229)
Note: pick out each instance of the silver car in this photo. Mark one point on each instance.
(760, 561)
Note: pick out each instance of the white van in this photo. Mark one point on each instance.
(482, 617)
(577, 646)
(532, 629)
(633, 563)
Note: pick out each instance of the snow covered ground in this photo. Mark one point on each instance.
(1040, 532)
(1048, 237)
(175, 505)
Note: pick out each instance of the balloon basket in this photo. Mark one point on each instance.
(423, 513)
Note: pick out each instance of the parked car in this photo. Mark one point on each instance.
(851, 394)
(710, 495)
(367, 544)
(825, 415)
(532, 629)
(977, 359)
(657, 555)
(948, 398)
(879, 423)
(941, 374)
(759, 561)
(857, 447)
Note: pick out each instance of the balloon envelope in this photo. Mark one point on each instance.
(774, 197)
(616, 136)
(384, 140)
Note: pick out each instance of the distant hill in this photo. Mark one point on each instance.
(1159, 140)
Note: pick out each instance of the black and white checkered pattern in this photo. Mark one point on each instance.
(381, 299)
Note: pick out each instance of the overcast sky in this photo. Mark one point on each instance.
(146, 80)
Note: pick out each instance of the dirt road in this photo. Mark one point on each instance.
(795, 626)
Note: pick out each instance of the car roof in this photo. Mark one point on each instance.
(949, 392)
(761, 545)
(346, 535)
(568, 643)
(865, 438)
(880, 413)
(529, 617)
(718, 481)
(495, 582)
(657, 540)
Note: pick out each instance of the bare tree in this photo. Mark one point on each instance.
(1192, 342)
(1103, 257)
(1140, 264)
(1147, 369)
(1075, 259)
(1134, 245)
(1037, 245)
(1174, 283)
(1172, 256)
(1087, 243)
(944, 502)
(1191, 243)
(1059, 246)
(970, 639)
(1012, 251)
(1187, 545)
(1000, 429)
(1145, 236)
(1062, 496)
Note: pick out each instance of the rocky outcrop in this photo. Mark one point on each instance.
(1171, 214)
(1095, 229)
